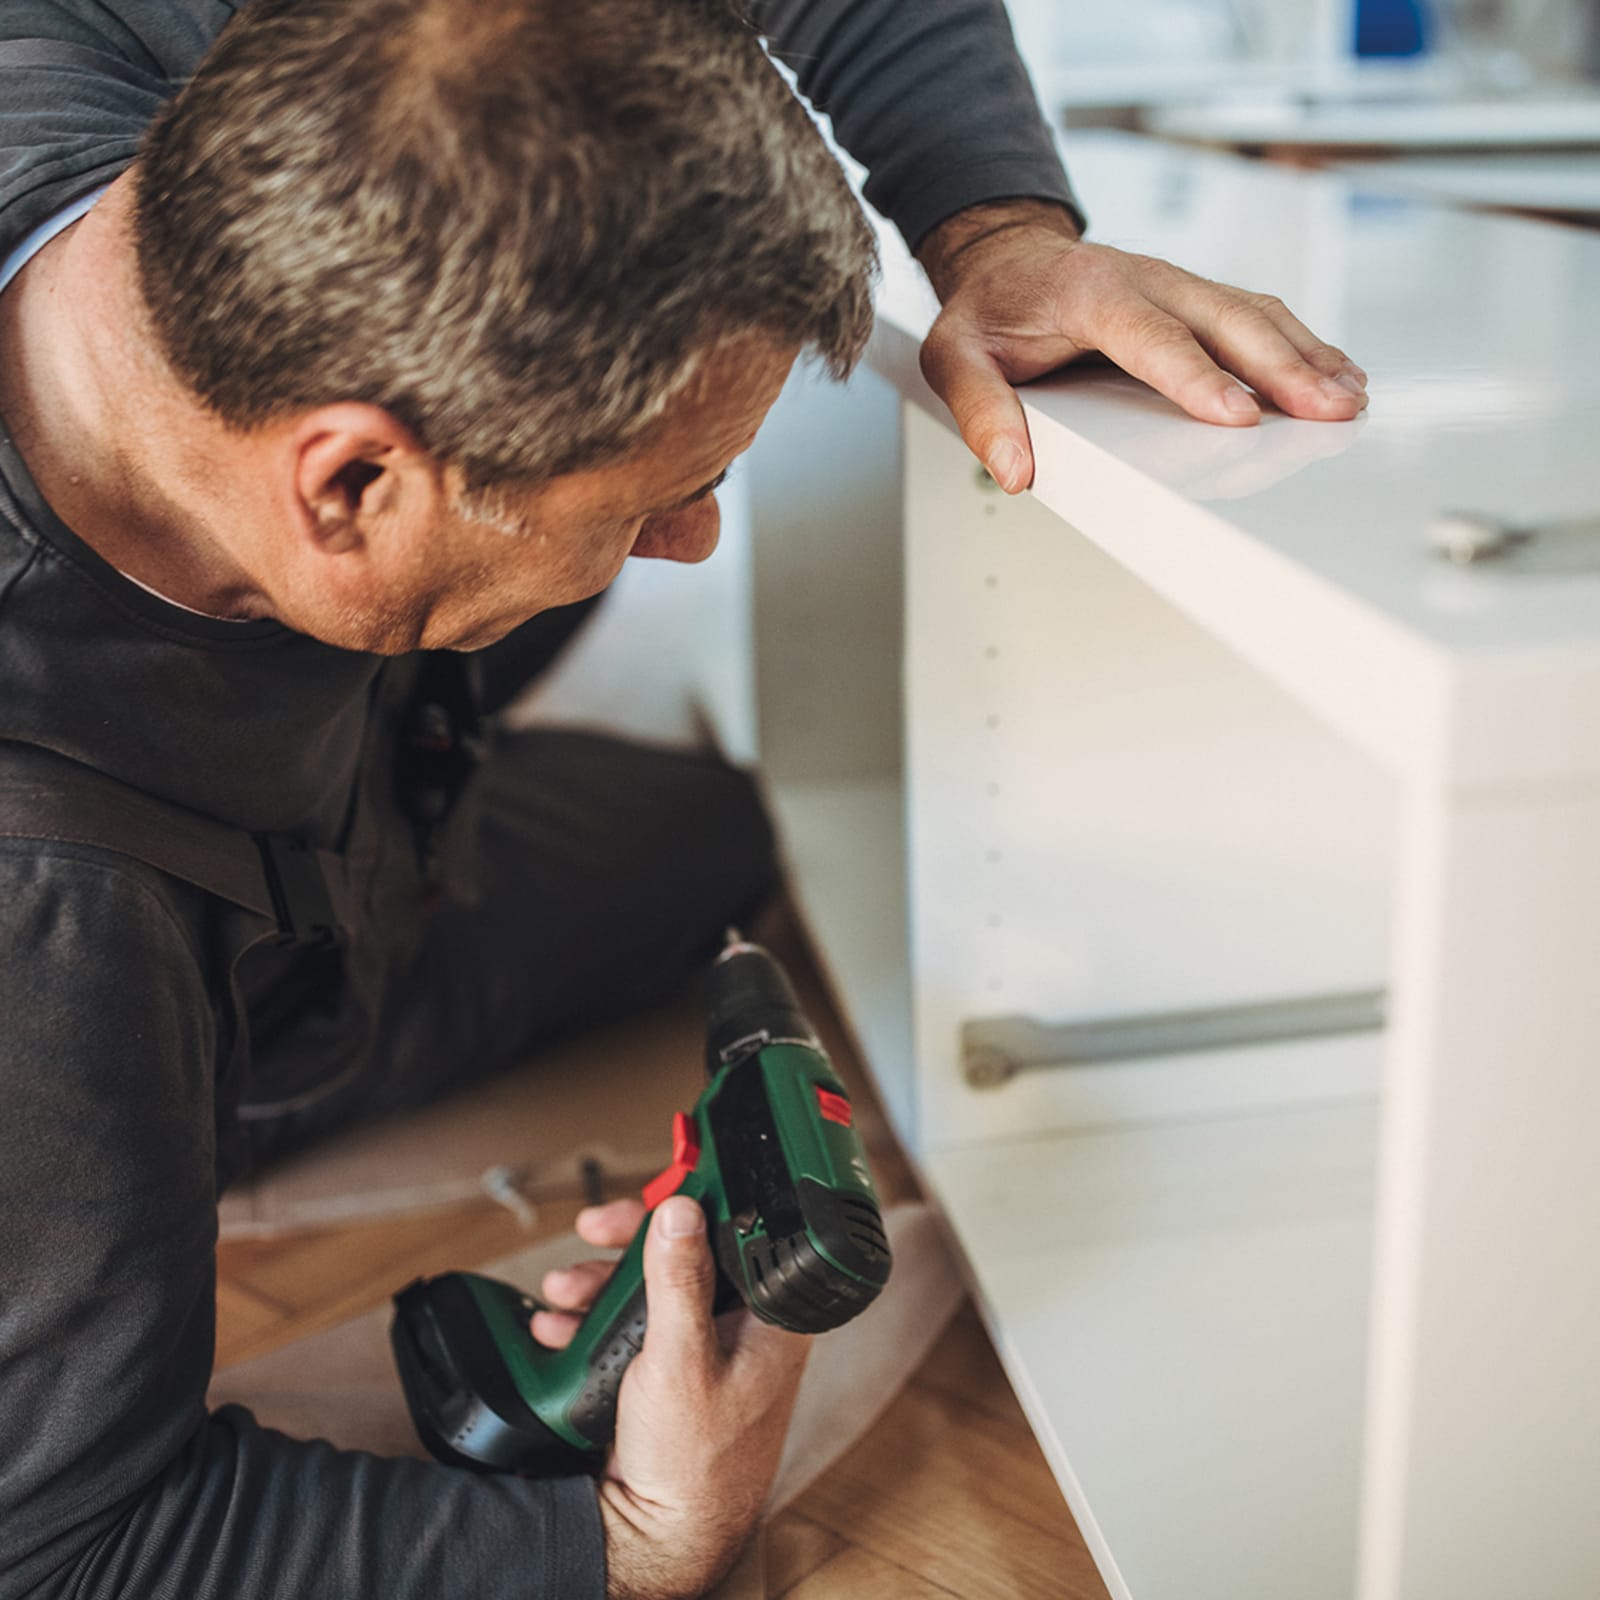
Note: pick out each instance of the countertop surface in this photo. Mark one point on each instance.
(1304, 542)
(1481, 335)
(1549, 180)
(1551, 116)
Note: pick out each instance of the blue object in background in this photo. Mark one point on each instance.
(1391, 27)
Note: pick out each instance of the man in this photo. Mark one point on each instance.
(412, 321)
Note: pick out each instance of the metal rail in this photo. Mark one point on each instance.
(995, 1049)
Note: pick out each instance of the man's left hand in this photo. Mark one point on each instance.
(1023, 294)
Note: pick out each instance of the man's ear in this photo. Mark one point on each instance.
(355, 464)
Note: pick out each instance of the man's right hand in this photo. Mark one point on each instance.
(701, 1416)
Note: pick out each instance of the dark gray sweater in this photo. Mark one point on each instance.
(114, 1480)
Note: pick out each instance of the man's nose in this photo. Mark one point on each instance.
(687, 535)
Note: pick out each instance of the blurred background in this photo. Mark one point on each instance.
(1089, 58)
(1493, 103)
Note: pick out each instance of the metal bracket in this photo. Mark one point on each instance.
(1558, 545)
(995, 1049)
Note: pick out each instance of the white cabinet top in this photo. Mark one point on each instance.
(1304, 545)
(1551, 180)
(1557, 116)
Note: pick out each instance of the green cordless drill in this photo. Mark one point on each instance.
(772, 1154)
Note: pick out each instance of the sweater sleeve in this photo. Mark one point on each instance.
(115, 1482)
(79, 83)
(929, 95)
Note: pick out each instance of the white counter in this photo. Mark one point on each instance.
(1553, 118)
(1304, 540)
(1566, 181)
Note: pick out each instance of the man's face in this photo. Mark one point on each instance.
(465, 574)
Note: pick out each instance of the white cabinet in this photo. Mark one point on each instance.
(1202, 727)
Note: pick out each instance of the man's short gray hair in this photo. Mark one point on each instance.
(514, 224)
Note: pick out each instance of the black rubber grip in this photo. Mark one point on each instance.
(594, 1412)
(466, 1408)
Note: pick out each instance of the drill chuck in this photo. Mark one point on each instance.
(750, 1003)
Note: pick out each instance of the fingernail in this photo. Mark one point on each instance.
(1358, 373)
(1238, 399)
(1344, 387)
(1005, 466)
(681, 1217)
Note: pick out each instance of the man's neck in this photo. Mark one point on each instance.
(124, 455)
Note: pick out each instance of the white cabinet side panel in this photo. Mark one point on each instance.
(1484, 1476)
(1110, 814)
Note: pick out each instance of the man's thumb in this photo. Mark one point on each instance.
(678, 1285)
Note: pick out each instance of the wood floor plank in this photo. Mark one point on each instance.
(856, 1574)
(326, 1277)
(796, 1547)
(245, 1319)
(964, 1366)
(946, 1492)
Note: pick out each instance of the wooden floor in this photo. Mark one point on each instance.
(947, 1495)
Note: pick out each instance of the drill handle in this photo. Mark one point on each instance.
(609, 1337)
(612, 1334)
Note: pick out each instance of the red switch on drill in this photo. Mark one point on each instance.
(685, 1156)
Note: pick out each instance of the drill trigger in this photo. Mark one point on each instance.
(685, 1158)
